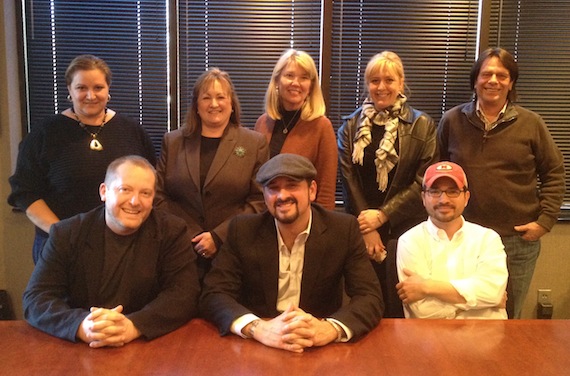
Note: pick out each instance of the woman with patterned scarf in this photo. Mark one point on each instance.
(384, 149)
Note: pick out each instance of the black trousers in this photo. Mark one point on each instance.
(388, 277)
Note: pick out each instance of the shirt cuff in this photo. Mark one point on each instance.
(347, 333)
(241, 322)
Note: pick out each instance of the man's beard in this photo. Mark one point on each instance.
(292, 217)
(445, 217)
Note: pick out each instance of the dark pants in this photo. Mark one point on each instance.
(388, 277)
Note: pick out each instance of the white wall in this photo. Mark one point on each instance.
(552, 271)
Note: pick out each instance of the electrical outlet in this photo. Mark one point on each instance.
(544, 296)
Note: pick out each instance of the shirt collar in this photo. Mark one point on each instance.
(440, 234)
(482, 116)
(303, 235)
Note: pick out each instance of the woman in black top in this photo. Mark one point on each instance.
(62, 161)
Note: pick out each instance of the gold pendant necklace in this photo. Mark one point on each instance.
(286, 129)
(95, 144)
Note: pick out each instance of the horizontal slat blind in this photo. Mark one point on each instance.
(436, 41)
(537, 34)
(245, 39)
(129, 35)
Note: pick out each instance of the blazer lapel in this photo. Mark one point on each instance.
(314, 254)
(93, 257)
(267, 254)
(192, 153)
(225, 150)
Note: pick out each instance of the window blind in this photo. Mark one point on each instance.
(129, 35)
(536, 33)
(245, 39)
(436, 41)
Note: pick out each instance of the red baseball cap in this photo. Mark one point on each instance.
(445, 169)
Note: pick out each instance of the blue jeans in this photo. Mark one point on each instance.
(521, 260)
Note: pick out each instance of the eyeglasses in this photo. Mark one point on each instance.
(292, 77)
(451, 193)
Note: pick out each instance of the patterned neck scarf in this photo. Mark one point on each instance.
(386, 155)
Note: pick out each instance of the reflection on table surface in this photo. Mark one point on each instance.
(395, 347)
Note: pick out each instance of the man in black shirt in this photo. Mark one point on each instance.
(118, 272)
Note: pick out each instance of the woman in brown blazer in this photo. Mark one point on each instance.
(207, 168)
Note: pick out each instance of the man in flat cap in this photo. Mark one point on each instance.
(448, 267)
(279, 277)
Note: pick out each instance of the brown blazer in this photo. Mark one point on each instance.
(230, 186)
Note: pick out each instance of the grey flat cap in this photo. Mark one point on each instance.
(290, 165)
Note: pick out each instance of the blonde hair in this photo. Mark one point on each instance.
(314, 105)
(386, 60)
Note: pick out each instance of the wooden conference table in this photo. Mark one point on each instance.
(395, 347)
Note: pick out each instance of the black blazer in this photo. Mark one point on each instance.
(244, 277)
(159, 292)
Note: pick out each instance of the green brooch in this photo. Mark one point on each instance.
(239, 151)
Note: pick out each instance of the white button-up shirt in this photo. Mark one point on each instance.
(473, 261)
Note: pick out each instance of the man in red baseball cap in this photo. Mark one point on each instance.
(448, 267)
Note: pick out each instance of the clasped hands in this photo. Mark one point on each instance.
(294, 330)
(107, 327)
